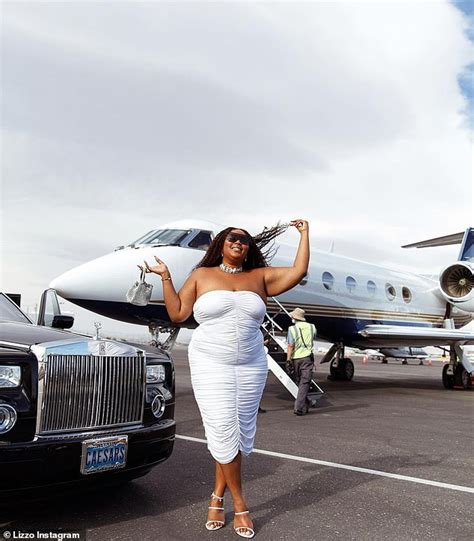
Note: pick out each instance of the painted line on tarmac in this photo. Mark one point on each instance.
(448, 486)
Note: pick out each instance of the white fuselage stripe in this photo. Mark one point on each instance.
(448, 486)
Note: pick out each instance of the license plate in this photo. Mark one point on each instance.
(104, 454)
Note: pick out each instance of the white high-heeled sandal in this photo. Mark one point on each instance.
(212, 525)
(248, 532)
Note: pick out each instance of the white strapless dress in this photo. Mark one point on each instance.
(228, 369)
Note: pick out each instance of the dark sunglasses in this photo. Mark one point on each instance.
(234, 237)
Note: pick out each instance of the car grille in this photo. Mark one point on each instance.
(83, 392)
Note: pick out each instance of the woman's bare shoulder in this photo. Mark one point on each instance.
(193, 276)
(258, 274)
(259, 271)
(202, 273)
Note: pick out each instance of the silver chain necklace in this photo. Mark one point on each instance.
(230, 270)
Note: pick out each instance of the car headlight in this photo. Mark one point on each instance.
(155, 373)
(10, 376)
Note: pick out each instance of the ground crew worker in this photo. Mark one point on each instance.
(300, 354)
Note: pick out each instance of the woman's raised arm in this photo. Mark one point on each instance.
(178, 305)
(281, 279)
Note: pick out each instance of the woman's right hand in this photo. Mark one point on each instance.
(301, 225)
(160, 269)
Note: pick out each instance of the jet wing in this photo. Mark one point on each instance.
(396, 336)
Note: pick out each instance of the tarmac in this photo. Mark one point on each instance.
(387, 456)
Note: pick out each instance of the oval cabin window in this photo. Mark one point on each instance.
(371, 288)
(351, 284)
(406, 294)
(328, 280)
(390, 291)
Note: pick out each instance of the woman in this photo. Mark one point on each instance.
(227, 292)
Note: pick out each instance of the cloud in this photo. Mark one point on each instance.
(117, 118)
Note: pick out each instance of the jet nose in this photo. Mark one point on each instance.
(108, 278)
(105, 279)
(64, 286)
(73, 284)
(98, 279)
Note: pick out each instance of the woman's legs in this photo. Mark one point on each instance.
(233, 479)
(219, 489)
(220, 483)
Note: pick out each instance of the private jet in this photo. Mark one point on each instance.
(403, 354)
(352, 303)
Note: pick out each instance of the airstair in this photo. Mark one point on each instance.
(276, 355)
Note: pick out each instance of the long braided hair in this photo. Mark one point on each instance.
(257, 256)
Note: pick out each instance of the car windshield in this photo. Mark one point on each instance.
(163, 237)
(9, 311)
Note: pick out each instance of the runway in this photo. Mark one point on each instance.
(388, 456)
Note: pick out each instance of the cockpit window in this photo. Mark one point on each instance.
(163, 237)
(201, 241)
(10, 312)
(142, 238)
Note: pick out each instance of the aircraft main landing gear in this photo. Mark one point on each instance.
(462, 378)
(341, 368)
(455, 375)
(448, 377)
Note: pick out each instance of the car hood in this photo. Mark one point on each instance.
(28, 334)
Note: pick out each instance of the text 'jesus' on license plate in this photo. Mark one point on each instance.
(103, 454)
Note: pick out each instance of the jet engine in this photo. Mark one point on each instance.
(456, 283)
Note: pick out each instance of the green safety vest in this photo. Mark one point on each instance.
(303, 334)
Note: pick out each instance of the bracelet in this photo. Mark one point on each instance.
(164, 279)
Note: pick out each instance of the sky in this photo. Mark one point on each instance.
(120, 116)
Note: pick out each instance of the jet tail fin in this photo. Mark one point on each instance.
(466, 239)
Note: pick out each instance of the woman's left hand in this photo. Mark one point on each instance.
(301, 225)
(159, 269)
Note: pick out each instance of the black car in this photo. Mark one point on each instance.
(78, 410)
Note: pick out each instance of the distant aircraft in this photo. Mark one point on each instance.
(352, 303)
(403, 354)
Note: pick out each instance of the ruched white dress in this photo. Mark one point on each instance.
(228, 369)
